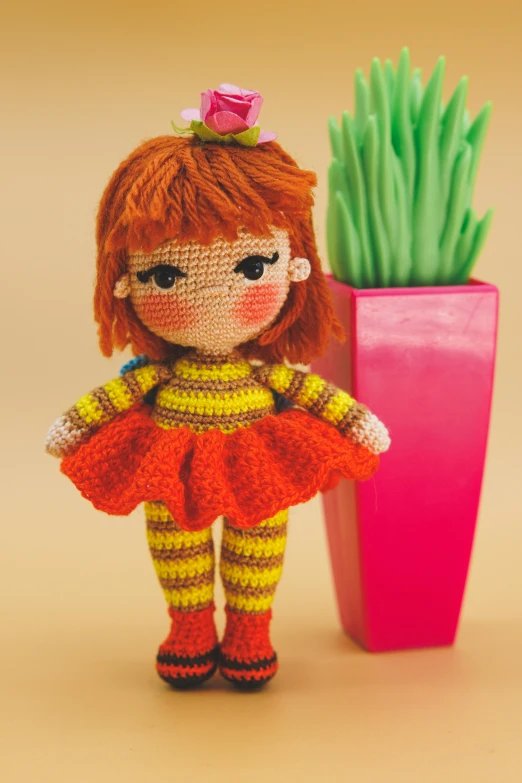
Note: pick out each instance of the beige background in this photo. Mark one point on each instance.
(81, 612)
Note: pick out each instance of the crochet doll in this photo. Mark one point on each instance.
(207, 263)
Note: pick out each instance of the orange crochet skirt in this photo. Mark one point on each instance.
(247, 475)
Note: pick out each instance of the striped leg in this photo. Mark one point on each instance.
(184, 563)
(251, 565)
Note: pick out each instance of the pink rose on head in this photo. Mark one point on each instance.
(229, 109)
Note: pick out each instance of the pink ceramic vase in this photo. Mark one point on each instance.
(423, 360)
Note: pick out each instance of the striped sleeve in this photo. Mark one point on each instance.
(100, 406)
(327, 402)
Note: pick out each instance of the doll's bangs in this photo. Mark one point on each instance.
(195, 191)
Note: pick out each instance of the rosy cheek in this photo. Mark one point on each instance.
(259, 304)
(164, 312)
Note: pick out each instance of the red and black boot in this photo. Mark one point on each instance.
(189, 654)
(246, 656)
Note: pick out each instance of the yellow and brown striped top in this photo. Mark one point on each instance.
(209, 392)
(204, 392)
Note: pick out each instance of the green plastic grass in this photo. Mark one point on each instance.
(401, 182)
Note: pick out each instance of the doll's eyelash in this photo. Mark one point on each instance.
(252, 259)
(146, 274)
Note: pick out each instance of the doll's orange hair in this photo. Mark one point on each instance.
(182, 188)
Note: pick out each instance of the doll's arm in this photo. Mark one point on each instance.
(327, 402)
(101, 405)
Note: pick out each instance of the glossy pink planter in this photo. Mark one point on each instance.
(423, 360)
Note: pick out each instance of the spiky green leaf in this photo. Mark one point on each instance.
(475, 136)
(362, 106)
(354, 170)
(450, 141)
(381, 248)
(425, 245)
(457, 207)
(478, 243)
(351, 262)
(335, 138)
(402, 131)
(381, 103)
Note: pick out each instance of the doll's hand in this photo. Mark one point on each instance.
(62, 437)
(369, 431)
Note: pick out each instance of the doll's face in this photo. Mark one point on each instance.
(212, 297)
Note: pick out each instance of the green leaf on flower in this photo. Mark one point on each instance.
(180, 130)
(247, 138)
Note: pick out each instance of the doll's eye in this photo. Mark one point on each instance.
(164, 275)
(253, 267)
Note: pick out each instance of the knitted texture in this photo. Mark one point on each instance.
(252, 562)
(134, 364)
(183, 561)
(206, 393)
(329, 403)
(246, 657)
(100, 406)
(250, 567)
(212, 297)
(232, 457)
(189, 654)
